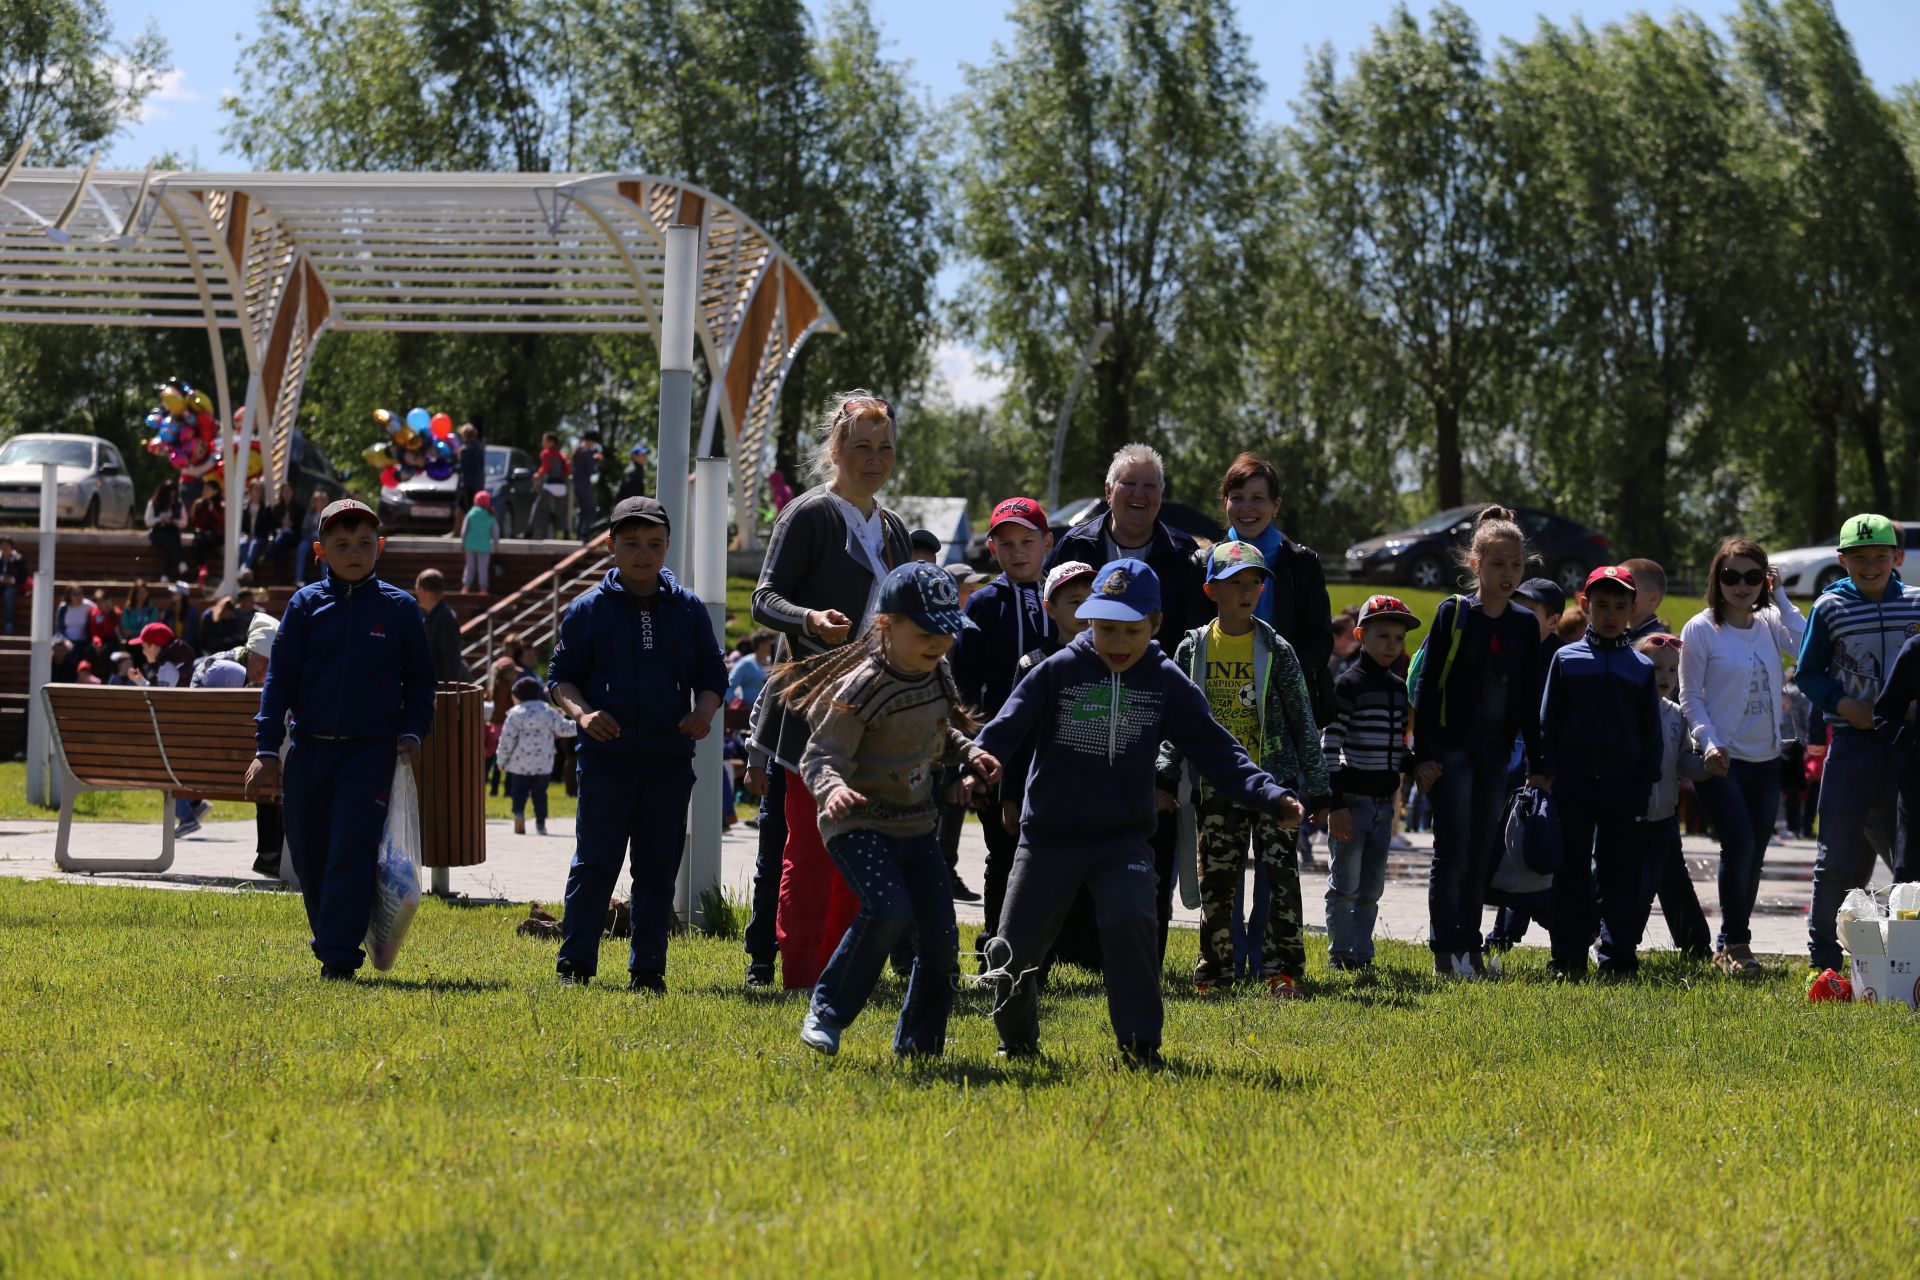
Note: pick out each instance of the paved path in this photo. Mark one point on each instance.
(534, 869)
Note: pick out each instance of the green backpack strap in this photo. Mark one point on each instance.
(1458, 630)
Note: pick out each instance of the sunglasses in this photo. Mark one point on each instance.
(1662, 642)
(1734, 577)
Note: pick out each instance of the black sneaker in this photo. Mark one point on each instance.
(1141, 1057)
(1018, 1052)
(568, 978)
(962, 893)
(646, 981)
(336, 973)
(759, 976)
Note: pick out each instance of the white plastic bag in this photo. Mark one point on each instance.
(1859, 905)
(1903, 900)
(396, 881)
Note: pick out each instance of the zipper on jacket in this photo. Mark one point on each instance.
(1113, 713)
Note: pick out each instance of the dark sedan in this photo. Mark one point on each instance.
(1427, 555)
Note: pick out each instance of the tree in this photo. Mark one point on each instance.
(1108, 173)
(65, 80)
(1404, 183)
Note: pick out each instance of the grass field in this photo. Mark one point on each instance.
(183, 1097)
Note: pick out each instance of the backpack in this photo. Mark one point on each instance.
(1533, 845)
(1417, 667)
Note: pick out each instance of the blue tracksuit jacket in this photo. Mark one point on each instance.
(350, 661)
(1011, 624)
(1600, 721)
(641, 658)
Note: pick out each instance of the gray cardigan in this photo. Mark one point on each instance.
(813, 562)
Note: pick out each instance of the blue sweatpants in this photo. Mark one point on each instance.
(334, 802)
(626, 802)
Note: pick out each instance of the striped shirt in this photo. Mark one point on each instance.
(1365, 739)
(1851, 642)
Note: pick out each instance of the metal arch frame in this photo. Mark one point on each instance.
(301, 254)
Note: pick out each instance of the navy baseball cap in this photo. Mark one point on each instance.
(926, 594)
(1125, 590)
(1544, 592)
(924, 540)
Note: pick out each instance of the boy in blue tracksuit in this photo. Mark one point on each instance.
(1854, 635)
(1099, 710)
(1602, 747)
(351, 664)
(638, 667)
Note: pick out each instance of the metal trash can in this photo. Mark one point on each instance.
(453, 779)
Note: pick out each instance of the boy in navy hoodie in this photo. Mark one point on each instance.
(638, 667)
(1100, 709)
(1602, 747)
(350, 662)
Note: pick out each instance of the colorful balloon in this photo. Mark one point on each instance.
(200, 401)
(419, 419)
(172, 396)
(385, 419)
(389, 478)
(442, 426)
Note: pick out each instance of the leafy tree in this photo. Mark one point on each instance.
(64, 79)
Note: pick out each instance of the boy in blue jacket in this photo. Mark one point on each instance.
(1099, 710)
(1602, 748)
(350, 663)
(637, 666)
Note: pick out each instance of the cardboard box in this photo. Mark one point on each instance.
(1884, 960)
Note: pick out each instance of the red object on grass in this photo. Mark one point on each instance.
(1830, 986)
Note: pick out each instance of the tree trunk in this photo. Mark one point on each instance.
(1446, 453)
(1822, 514)
(1866, 424)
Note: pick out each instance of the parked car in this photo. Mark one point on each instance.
(430, 506)
(1807, 571)
(1427, 555)
(94, 488)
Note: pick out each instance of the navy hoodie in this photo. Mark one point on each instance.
(642, 658)
(1600, 726)
(350, 661)
(1011, 624)
(1096, 736)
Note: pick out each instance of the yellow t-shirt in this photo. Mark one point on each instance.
(1229, 685)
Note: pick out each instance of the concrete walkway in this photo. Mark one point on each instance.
(532, 868)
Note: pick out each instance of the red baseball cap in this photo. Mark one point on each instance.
(1612, 573)
(156, 633)
(1019, 511)
(344, 508)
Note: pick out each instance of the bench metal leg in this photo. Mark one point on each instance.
(67, 862)
(442, 882)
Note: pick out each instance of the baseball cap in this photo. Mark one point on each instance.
(346, 508)
(1868, 530)
(926, 594)
(640, 451)
(924, 540)
(1125, 590)
(639, 507)
(1224, 559)
(1544, 592)
(1386, 608)
(1612, 573)
(156, 633)
(965, 574)
(1065, 571)
(1018, 511)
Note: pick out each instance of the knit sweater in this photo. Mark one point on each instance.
(880, 732)
(1365, 739)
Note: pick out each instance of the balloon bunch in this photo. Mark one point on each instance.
(420, 442)
(186, 434)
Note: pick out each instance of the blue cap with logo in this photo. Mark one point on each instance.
(1123, 591)
(926, 594)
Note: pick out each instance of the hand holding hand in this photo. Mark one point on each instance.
(1718, 762)
(986, 768)
(1291, 811)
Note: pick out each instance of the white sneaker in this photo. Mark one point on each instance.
(818, 1036)
(1463, 965)
(1491, 961)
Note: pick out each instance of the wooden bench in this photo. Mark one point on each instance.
(192, 743)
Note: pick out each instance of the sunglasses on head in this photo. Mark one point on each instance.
(1730, 577)
(1662, 642)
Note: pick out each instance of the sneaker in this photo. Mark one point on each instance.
(1454, 966)
(647, 980)
(201, 809)
(336, 973)
(268, 865)
(1206, 982)
(1284, 987)
(1018, 1052)
(569, 978)
(759, 976)
(519, 824)
(1489, 964)
(1141, 1057)
(961, 893)
(539, 828)
(818, 1036)
(1398, 841)
(186, 828)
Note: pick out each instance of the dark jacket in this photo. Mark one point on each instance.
(1897, 694)
(350, 661)
(813, 563)
(1096, 736)
(1600, 729)
(644, 660)
(1449, 692)
(443, 641)
(983, 661)
(1183, 605)
(633, 482)
(473, 466)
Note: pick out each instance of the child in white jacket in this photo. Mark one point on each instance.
(526, 750)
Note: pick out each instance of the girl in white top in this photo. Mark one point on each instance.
(1730, 679)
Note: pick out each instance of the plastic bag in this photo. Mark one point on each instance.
(396, 882)
(1903, 902)
(1859, 905)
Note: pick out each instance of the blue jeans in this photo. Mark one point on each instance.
(903, 884)
(334, 803)
(762, 947)
(1468, 802)
(522, 787)
(1857, 806)
(1741, 807)
(1356, 877)
(626, 802)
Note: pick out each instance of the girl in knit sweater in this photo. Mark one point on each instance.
(883, 711)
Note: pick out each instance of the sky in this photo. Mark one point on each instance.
(207, 40)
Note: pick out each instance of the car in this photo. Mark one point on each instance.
(1807, 571)
(1427, 555)
(94, 488)
(428, 505)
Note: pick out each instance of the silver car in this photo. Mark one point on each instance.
(94, 487)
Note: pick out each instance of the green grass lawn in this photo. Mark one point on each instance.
(184, 1097)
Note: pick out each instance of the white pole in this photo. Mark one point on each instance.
(1100, 336)
(238, 438)
(709, 536)
(676, 382)
(42, 788)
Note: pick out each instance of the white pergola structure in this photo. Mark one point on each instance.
(282, 258)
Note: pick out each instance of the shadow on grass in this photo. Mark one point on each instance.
(445, 986)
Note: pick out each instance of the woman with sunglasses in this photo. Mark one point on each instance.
(1730, 679)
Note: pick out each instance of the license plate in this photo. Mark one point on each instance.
(1354, 563)
(432, 512)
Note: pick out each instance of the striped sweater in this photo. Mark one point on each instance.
(1852, 642)
(1365, 739)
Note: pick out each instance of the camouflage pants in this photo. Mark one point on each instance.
(1225, 831)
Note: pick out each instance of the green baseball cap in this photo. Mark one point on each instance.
(1868, 531)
